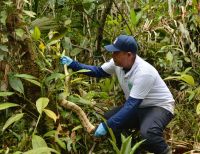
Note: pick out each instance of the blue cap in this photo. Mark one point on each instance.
(123, 43)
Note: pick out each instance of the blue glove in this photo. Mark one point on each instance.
(66, 60)
(101, 130)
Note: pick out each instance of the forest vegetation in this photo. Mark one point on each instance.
(35, 33)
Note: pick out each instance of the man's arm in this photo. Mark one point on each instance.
(129, 108)
(117, 120)
(95, 71)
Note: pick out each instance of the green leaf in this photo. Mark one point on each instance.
(50, 114)
(61, 143)
(187, 70)
(3, 17)
(66, 42)
(8, 3)
(75, 52)
(54, 76)
(11, 120)
(29, 13)
(57, 37)
(114, 146)
(19, 32)
(16, 84)
(169, 57)
(67, 22)
(198, 109)
(126, 145)
(123, 138)
(171, 77)
(188, 79)
(193, 47)
(34, 82)
(50, 133)
(4, 48)
(69, 143)
(3, 94)
(184, 77)
(36, 33)
(7, 105)
(138, 16)
(191, 96)
(38, 142)
(29, 78)
(136, 146)
(133, 17)
(41, 103)
(42, 150)
(25, 76)
(187, 59)
(77, 127)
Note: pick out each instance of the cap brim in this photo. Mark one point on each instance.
(111, 48)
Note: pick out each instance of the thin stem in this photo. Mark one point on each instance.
(37, 124)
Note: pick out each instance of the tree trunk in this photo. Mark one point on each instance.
(106, 11)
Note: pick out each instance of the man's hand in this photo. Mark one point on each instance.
(66, 60)
(101, 130)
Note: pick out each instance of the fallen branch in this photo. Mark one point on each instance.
(75, 108)
(81, 114)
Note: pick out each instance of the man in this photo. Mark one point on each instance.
(149, 105)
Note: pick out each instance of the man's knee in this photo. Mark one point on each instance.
(150, 133)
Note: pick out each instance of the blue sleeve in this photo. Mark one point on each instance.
(95, 71)
(130, 106)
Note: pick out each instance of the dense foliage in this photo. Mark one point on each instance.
(34, 34)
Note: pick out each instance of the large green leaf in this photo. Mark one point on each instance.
(36, 33)
(50, 114)
(38, 142)
(11, 120)
(7, 105)
(29, 78)
(41, 103)
(184, 77)
(42, 150)
(16, 84)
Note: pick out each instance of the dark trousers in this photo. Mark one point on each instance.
(150, 122)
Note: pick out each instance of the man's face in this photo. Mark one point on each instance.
(123, 59)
